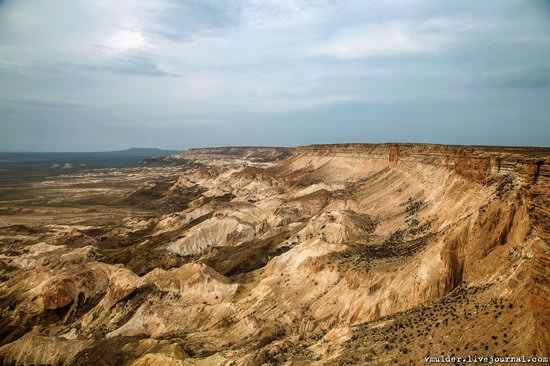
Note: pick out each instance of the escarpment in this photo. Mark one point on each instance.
(323, 254)
(528, 164)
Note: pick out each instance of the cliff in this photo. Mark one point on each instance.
(252, 153)
(529, 164)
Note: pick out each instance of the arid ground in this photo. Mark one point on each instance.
(316, 255)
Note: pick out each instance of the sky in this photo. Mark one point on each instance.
(96, 75)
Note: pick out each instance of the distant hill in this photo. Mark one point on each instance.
(139, 152)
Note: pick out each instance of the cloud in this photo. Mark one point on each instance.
(521, 79)
(284, 13)
(129, 64)
(178, 20)
(372, 40)
(393, 38)
(43, 104)
(124, 40)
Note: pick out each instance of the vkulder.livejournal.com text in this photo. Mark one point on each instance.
(488, 360)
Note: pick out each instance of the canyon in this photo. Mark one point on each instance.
(338, 254)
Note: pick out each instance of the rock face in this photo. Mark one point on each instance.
(528, 164)
(257, 154)
(322, 254)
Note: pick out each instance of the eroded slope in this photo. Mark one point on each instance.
(333, 254)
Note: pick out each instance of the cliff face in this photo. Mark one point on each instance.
(250, 153)
(322, 254)
(531, 165)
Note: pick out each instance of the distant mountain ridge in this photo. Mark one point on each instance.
(133, 151)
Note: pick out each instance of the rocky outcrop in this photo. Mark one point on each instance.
(530, 165)
(252, 153)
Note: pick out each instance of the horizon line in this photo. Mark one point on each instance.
(271, 146)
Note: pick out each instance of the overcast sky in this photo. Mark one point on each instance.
(83, 75)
